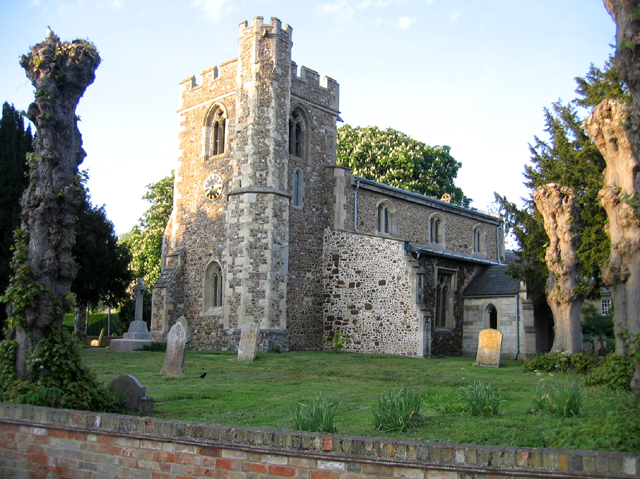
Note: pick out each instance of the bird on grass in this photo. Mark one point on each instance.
(203, 375)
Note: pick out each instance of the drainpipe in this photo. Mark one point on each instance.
(355, 207)
(517, 326)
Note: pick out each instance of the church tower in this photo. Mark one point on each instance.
(251, 199)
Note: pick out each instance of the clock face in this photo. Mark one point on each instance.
(213, 187)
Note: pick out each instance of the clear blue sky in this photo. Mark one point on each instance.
(471, 74)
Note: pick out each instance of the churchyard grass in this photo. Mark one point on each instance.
(264, 392)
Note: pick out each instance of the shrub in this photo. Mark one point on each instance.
(446, 403)
(595, 325)
(338, 341)
(563, 400)
(614, 372)
(57, 376)
(584, 362)
(616, 427)
(317, 417)
(553, 361)
(397, 408)
(481, 399)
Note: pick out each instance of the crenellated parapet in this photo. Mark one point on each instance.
(308, 85)
(274, 28)
(215, 81)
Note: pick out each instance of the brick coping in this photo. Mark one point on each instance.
(464, 458)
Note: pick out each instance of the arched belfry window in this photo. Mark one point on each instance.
(298, 133)
(213, 287)
(215, 131)
(385, 218)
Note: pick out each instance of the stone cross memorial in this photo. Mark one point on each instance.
(138, 334)
(248, 343)
(177, 340)
(489, 347)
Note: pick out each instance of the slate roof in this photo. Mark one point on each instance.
(492, 281)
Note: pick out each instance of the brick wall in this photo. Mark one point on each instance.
(40, 443)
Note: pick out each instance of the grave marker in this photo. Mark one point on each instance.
(134, 394)
(489, 347)
(248, 343)
(177, 340)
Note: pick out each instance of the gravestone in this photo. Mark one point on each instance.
(177, 340)
(489, 347)
(138, 335)
(98, 342)
(134, 394)
(248, 343)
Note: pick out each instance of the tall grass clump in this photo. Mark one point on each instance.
(564, 400)
(397, 408)
(482, 399)
(318, 416)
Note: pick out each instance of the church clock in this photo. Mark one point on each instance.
(213, 187)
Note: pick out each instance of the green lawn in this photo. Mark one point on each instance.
(263, 392)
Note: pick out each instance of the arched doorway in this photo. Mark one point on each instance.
(543, 322)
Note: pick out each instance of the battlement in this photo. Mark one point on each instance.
(208, 76)
(275, 28)
(326, 89)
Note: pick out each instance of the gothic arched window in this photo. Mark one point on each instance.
(297, 134)
(213, 287)
(436, 230)
(478, 240)
(215, 131)
(385, 218)
(298, 188)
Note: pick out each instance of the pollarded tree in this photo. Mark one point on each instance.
(394, 158)
(44, 269)
(568, 158)
(15, 143)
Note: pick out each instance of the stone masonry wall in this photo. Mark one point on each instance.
(370, 294)
(38, 443)
(475, 321)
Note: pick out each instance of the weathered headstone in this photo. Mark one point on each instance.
(134, 394)
(177, 340)
(248, 343)
(489, 346)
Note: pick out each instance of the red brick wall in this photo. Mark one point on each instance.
(46, 443)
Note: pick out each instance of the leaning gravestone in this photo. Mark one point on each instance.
(489, 347)
(134, 394)
(177, 340)
(248, 343)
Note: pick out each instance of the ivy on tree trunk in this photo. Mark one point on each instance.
(43, 264)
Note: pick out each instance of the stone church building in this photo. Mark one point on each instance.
(267, 230)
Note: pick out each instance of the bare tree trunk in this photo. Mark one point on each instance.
(80, 322)
(558, 208)
(60, 73)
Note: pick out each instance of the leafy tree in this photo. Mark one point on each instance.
(392, 157)
(15, 143)
(144, 241)
(568, 158)
(103, 263)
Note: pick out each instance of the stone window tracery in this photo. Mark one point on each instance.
(213, 287)
(215, 131)
(478, 240)
(298, 133)
(444, 298)
(385, 218)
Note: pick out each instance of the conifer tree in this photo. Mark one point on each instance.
(568, 158)
(15, 143)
